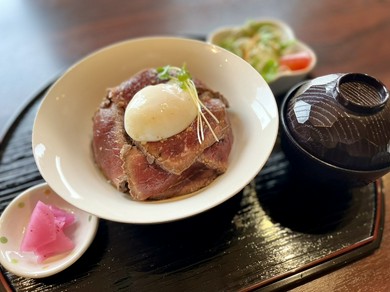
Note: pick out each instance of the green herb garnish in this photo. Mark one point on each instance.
(183, 78)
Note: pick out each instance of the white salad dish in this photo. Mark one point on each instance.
(13, 223)
(62, 131)
(284, 79)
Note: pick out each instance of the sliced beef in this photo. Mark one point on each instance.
(108, 141)
(123, 93)
(217, 155)
(175, 154)
(149, 181)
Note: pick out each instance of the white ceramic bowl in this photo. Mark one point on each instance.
(286, 79)
(14, 221)
(62, 130)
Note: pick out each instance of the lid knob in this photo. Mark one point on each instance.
(361, 93)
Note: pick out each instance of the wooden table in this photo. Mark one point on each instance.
(40, 39)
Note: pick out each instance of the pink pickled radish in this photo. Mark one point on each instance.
(61, 244)
(62, 217)
(44, 234)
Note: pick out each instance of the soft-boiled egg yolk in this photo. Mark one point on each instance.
(159, 111)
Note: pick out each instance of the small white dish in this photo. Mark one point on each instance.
(14, 221)
(285, 79)
(62, 131)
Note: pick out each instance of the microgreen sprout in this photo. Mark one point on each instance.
(183, 78)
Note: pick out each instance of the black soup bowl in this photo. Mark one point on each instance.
(335, 130)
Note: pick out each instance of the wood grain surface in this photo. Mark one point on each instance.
(42, 38)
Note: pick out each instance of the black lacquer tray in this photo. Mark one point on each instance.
(274, 234)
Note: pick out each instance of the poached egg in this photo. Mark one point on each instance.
(160, 111)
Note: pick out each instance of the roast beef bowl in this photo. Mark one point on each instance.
(103, 144)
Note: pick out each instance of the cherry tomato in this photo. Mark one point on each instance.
(296, 61)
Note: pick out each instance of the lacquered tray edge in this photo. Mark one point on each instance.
(333, 261)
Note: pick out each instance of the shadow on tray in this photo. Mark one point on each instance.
(303, 207)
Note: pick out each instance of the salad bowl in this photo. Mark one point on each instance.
(271, 47)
